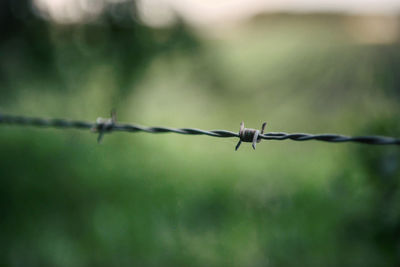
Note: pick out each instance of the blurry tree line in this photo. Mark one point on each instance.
(28, 44)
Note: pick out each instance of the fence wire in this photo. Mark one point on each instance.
(102, 126)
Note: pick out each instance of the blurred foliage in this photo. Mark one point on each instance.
(150, 200)
(63, 54)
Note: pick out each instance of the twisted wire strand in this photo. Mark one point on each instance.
(278, 136)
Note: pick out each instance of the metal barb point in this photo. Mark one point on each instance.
(250, 135)
(105, 125)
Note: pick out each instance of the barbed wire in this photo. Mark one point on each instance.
(253, 136)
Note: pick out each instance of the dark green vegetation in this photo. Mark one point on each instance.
(171, 200)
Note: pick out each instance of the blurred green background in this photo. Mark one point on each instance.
(173, 200)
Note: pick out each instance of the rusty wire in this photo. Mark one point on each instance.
(102, 126)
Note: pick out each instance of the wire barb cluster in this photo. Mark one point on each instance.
(250, 135)
(103, 126)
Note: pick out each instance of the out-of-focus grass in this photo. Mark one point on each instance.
(141, 199)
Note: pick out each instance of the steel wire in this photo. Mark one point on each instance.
(108, 125)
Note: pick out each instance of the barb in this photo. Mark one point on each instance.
(246, 135)
(104, 125)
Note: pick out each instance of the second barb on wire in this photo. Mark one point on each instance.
(103, 125)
